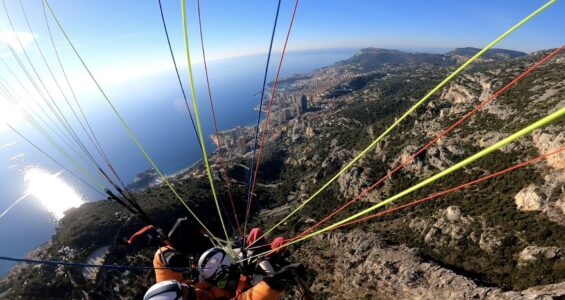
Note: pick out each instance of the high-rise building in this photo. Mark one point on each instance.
(288, 113)
(228, 142)
(304, 104)
(239, 131)
(233, 134)
(242, 147)
(297, 110)
(215, 140)
(282, 102)
(281, 115)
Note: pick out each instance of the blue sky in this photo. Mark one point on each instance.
(245, 25)
(108, 30)
(124, 40)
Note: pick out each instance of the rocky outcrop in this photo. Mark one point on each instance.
(490, 240)
(500, 111)
(449, 227)
(532, 253)
(368, 268)
(350, 183)
(457, 94)
(546, 142)
(432, 159)
(528, 199)
(310, 132)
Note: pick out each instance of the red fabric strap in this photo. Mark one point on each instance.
(138, 233)
(242, 285)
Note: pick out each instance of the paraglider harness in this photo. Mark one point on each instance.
(174, 256)
(180, 254)
(179, 245)
(178, 258)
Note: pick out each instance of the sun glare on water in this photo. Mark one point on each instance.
(54, 194)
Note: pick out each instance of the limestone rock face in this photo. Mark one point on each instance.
(449, 227)
(457, 94)
(489, 241)
(500, 111)
(369, 268)
(545, 143)
(434, 158)
(532, 253)
(528, 199)
(415, 166)
(351, 182)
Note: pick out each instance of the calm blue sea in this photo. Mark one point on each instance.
(154, 109)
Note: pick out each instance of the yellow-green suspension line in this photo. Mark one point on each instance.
(198, 123)
(519, 134)
(412, 109)
(125, 125)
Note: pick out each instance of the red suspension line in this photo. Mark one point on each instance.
(266, 124)
(222, 161)
(433, 196)
(433, 141)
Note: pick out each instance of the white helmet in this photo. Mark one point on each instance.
(214, 264)
(166, 290)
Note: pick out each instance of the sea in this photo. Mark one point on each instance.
(154, 109)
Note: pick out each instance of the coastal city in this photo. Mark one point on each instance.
(296, 95)
(239, 140)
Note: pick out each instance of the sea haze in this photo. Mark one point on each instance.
(156, 112)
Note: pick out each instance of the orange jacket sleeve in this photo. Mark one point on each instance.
(215, 292)
(164, 274)
(261, 291)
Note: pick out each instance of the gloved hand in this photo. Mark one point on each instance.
(175, 260)
(286, 277)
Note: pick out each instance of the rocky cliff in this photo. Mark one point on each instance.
(369, 268)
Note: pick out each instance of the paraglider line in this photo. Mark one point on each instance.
(218, 138)
(439, 136)
(198, 122)
(177, 71)
(124, 124)
(255, 138)
(436, 195)
(266, 124)
(411, 110)
(521, 133)
(12, 205)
